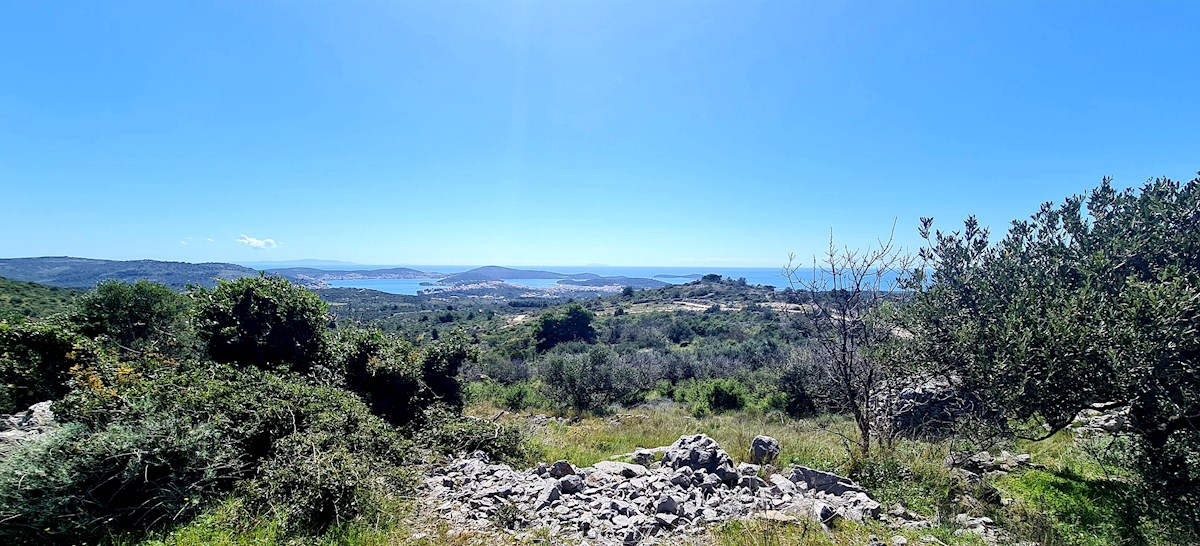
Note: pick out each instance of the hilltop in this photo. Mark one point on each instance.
(497, 273)
(69, 272)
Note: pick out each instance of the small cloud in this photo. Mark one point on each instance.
(185, 241)
(256, 243)
(209, 239)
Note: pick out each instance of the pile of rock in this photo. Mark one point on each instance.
(975, 466)
(20, 426)
(692, 483)
(1107, 421)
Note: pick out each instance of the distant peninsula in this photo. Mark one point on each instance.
(488, 281)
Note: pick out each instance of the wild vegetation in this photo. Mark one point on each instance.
(21, 300)
(257, 411)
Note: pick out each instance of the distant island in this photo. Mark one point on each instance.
(318, 278)
(497, 273)
(488, 281)
(615, 281)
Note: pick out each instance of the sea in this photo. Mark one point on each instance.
(769, 276)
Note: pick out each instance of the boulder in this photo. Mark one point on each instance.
(561, 468)
(930, 409)
(764, 450)
(666, 504)
(571, 483)
(549, 494)
(626, 470)
(826, 482)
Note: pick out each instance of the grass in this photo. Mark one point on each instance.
(403, 523)
(1074, 501)
(811, 533)
(815, 443)
(1064, 508)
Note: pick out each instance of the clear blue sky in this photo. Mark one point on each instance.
(569, 132)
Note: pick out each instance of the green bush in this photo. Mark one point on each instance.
(395, 378)
(36, 362)
(170, 443)
(266, 322)
(518, 396)
(572, 324)
(344, 463)
(129, 475)
(712, 395)
(449, 433)
(591, 381)
(142, 316)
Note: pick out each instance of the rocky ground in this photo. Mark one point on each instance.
(668, 495)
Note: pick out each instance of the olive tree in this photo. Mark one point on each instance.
(1092, 303)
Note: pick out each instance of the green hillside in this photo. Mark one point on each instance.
(20, 299)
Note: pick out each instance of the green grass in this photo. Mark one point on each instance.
(811, 533)
(818, 443)
(403, 523)
(1063, 508)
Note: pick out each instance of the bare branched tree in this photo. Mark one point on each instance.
(849, 295)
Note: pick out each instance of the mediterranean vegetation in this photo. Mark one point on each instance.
(258, 411)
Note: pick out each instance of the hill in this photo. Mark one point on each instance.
(85, 273)
(496, 273)
(317, 278)
(19, 299)
(615, 281)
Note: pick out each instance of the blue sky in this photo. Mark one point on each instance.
(568, 132)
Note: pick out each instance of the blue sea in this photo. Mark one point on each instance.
(770, 276)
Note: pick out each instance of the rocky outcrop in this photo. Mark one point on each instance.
(1107, 421)
(929, 410)
(974, 466)
(27, 424)
(693, 484)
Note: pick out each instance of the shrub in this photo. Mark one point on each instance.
(36, 359)
(713, 395)
(397, 380)
(344, 463)
(505, 370)
(171, 442)
(265, 322)
(137, 317)
(449, 433)
(515, 397)
(573, 324)
(592, 381)
(128, 475)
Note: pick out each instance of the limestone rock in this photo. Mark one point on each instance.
(764, 450)
(561, 468)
